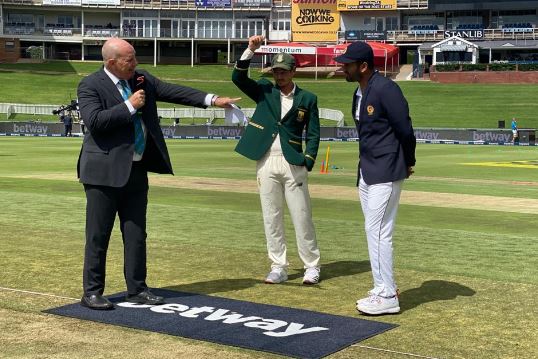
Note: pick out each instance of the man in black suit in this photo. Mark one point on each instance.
(387, 156)
(124, 142)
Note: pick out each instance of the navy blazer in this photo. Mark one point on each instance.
(106, 155)
(386, 138)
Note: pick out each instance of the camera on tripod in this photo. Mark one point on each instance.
(73, 106)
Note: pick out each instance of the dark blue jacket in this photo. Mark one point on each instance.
(386, 138)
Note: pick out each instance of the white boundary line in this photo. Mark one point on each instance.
(353, 345)
(37, 293)
(393, 351)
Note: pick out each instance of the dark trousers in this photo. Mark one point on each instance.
(130, 203)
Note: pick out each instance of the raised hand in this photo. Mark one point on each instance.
(255, 42)
(138, 99)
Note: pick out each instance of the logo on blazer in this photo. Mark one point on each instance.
(370, 110)
(300, 115)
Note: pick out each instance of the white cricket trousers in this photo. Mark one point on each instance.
(379, 204)
(277, 179)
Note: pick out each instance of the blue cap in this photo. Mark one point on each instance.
(356, 51)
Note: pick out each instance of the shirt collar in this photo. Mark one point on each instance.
(113, 77)
(291, 93)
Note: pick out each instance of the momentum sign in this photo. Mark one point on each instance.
(345, 5)
(287, 49)
(314, 20)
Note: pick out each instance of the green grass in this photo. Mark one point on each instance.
(431, 104)
(468, 277)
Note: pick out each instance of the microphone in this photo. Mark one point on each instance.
(140, 85)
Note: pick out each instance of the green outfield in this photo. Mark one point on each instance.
(465, 250)
(431, 104)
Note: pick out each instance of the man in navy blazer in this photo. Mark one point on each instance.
(387, 156)
(123, 142)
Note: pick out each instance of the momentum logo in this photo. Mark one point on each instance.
(270, 327)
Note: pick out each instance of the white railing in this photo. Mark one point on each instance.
(181, 112)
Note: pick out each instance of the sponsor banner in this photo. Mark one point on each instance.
(425, 135)
(100, 2)
(252, 3)
(465, 34)
(347, 5)
(62, 2)
(314, 20)
(287, 49)
(368, 35)
(213, 3)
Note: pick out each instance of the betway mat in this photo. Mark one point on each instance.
(287, 331)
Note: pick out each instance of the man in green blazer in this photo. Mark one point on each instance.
(274, 138)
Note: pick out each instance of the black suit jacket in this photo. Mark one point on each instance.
(386, 137)
(107, 151)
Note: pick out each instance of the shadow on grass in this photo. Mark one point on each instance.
(337, 269)
(328, 271)
(215, 286)
(431, 291)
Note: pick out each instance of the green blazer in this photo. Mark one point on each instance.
(265, 123)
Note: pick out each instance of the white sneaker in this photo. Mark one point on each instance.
(376, 305)
(277, 275)
(371, 292)
(364, 300)
(311, 275)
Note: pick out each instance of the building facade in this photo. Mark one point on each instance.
(217, 31)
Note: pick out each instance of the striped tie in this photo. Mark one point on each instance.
(139, 132)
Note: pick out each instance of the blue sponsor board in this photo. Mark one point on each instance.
(213, 3)
(252, 3)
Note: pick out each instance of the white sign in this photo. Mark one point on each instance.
(100, 2)
(62, 2)
(287, 49)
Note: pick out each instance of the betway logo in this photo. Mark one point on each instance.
(220, 131)
(492, 137)
(426, 135)
(168, 131)
(29, 128)
(270, 327)
(346, 133)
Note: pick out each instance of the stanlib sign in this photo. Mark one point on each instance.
(465, 34)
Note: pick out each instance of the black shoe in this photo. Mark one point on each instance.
(97, 302)
(145, 297)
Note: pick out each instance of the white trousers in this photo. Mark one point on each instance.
(277, 179)
(379, 204)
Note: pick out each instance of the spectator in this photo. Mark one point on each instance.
(68, 124)
(515, 136)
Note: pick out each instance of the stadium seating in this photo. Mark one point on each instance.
(423, 29)
(518, 27)
(470, 27)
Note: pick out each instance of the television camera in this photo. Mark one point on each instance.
(72, 107)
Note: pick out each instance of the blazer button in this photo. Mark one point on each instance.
(274, 134)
